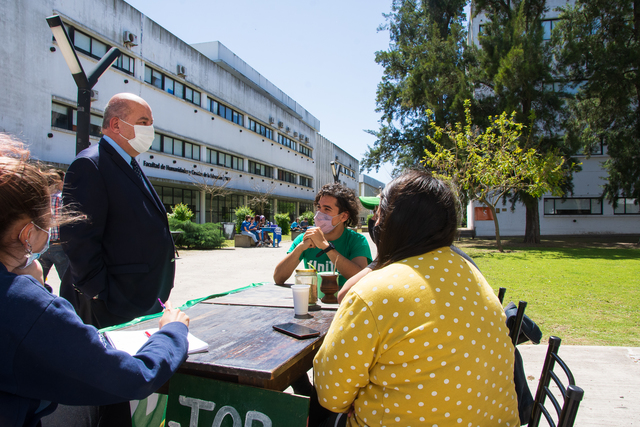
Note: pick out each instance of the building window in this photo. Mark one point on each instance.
(223, 208)
(287, 207)
(286, 176)
(573, 206)
(304, 150)
(223, 159)
(223, 111)
(305, 181)
(627, 206)
(287, 142)
(306, 207)
(174, 87)
(548, 26)
(260, 169)
(258, 128)
(66, 117)
(171, 196)
(96, 49)
(176, 147)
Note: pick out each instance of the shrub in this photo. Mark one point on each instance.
(283, 222)
(181, 212)
(308, 215)
(241, 212)
(197, 236)
(368, 218)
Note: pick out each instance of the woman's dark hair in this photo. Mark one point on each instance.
(418, 213)
(24, 188)
(346, 201)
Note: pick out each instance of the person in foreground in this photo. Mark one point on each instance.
(421, 340)
(49, 355)
(122, 258)
(330, 245)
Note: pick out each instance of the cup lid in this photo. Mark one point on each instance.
(305, 270)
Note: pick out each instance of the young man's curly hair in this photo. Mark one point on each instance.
(346, 200)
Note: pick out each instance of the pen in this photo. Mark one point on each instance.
(163, 306)
(147, 334)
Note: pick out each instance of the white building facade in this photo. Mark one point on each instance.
(216, 118)
(581, 213)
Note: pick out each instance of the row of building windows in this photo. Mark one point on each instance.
(261, 129)
(174, 87)
(223, 111)
(223, 159)
(169, 145)
(287, 176)
(96, 49)
(287, 142)
(260, 169)
(171, 196)
(588, 206)
(66, 117)
(547, 26)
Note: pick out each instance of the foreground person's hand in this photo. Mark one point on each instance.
(173, 315)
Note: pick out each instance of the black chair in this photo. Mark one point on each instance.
(501, 293)
(572, 394)
(516, 326)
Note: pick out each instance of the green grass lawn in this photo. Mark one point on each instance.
(584, 292)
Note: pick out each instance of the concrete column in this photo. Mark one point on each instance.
(203, 207)
(275, 208)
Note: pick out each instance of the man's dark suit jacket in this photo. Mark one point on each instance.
(123, 254)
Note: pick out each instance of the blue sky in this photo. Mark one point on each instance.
(320, 53)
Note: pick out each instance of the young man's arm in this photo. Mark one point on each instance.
(285, 268)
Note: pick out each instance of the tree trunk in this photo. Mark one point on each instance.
(497, 227)
(532, 226)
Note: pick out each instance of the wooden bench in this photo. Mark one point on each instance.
(466, 232)
(243, 241)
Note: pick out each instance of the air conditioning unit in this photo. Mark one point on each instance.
(301, 137)
(272, 120)
(288, 129)
(280, 125)
(94, 95)
(182, 70)
(295, 134)
(306, 139)
(130, 39)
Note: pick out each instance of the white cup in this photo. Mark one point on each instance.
(300, 299)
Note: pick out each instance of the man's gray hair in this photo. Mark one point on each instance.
(117, 107)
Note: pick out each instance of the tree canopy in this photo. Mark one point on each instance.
(598, 54)
(489, 165)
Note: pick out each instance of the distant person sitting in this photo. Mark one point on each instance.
(244, 229)
(255, 229)
(304, 224)
(295, 225)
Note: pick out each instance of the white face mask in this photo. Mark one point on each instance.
(143, 139)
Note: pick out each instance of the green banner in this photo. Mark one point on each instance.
(195, 402)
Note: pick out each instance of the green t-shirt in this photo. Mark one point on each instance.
(350, 245)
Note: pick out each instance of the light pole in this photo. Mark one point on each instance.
(84, 83)
(335, 170)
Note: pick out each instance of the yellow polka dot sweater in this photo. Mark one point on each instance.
(420, 342)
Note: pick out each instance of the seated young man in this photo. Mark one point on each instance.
(330, 242)
(304, 224)
(245, 229)
(295, 226)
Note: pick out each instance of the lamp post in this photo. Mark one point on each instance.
(84, 83)
(335, 170)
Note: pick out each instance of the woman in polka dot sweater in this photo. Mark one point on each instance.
(422, 339)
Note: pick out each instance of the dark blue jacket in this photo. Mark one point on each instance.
(123, 254)
(49, 356)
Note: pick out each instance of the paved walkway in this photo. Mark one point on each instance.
(610, 376)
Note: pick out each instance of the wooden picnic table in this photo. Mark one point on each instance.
(267, 295)
(244, 348)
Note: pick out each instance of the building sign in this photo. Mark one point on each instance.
(195, 402)
(155, 165)
(483, 214)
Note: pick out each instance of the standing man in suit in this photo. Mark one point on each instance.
(122, 256)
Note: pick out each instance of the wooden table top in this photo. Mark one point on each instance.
(269, 295)
(244, 348)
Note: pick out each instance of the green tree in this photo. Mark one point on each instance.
(181, 212)
(241, 213)
(515, 73)
(598, 53)
(487, 166)
(425, 69)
